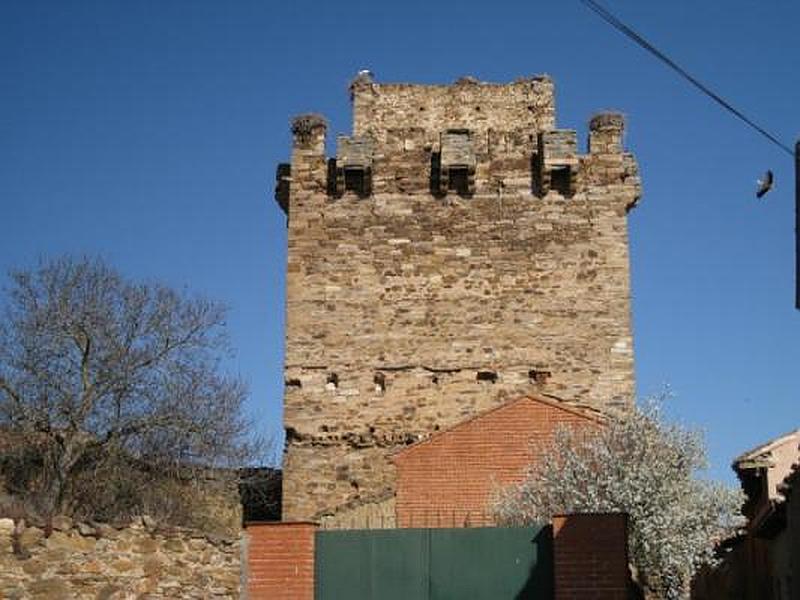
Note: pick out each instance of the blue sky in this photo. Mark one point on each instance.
(148, 132)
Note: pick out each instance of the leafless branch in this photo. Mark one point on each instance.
(110, 373)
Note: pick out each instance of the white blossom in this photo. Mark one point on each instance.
(647, 468)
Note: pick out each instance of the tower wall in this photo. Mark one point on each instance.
(412, 305)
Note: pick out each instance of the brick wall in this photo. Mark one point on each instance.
(280, 561)
(449, 479)
(590, 557)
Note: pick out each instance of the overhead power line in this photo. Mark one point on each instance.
(609, 18)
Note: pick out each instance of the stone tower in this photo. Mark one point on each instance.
(457, 252)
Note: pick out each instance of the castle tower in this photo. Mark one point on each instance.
(457, 252)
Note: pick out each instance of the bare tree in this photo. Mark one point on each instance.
(643, 466)
(108, 380)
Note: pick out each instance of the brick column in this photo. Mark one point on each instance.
(280, 561)
(590, 557)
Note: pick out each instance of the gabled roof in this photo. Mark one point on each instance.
(580, 411)
(761, 456)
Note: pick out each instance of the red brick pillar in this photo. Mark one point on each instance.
(590, 557)
(280, 561)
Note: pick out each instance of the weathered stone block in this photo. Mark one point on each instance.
(53, 588)
(6, 533)
(34, 568)
(146, 545)
(61, 523)
(30, 537)
(174, 545)
(123, 565)
(60, 540)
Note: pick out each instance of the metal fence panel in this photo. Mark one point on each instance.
(434, 564)
(491, 564)
(367, 564)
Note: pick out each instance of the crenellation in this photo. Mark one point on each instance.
(605, 133)
(557, 162)
(458, 164)
(472, 256)
(353, 166)
(308, 130)
(309, 170)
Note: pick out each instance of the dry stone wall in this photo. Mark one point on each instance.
(413, 304)
(100, 562)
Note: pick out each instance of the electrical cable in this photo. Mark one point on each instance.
(609, 18)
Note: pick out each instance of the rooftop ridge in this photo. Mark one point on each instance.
(563, 405)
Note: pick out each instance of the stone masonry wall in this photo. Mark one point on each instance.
(411, 307)
(381, 514)
(81, 561)
(527, 103)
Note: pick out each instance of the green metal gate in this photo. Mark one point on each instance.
(490, 563)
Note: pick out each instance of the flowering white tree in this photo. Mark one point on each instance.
(643, 466)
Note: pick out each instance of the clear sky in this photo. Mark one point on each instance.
(148, 132)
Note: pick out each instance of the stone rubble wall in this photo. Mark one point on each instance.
(379, 108)
(99, 561)
(379, 514)
(409, 311)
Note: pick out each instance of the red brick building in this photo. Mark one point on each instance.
(449, 479)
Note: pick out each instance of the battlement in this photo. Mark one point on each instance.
(457, 251)
(462, 140)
